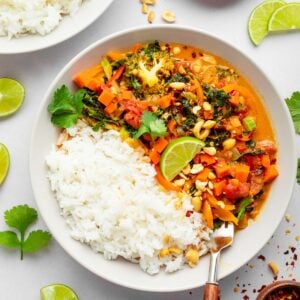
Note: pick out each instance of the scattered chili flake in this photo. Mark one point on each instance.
(243, 291)
(246, 297)
(190, 293)
(194, 54)
(254, 291)
(295, 257)
(293, 249)
(261, 288)
(286, 252)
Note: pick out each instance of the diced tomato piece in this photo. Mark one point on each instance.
(236, 190)
(133, 120)
(267, 145)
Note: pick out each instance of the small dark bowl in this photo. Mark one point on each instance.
(278, 285)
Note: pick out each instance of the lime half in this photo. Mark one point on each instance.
(259, 19)
(58, 292)
(178, 154)
(11, 96)
(4, 162)
(286, 17)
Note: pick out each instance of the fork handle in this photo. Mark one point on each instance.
(211, 291)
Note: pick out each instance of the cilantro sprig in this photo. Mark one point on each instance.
(66, 107)
(293, 104)
(20, 218)
(151, 124)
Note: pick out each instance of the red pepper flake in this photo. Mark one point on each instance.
(293, 249)
(243, 291)
(246, 297)
(286, 252)
(188, 213)
(190, 293)
(254, 291)
(261, 288)
(295, 257)
(261, 257)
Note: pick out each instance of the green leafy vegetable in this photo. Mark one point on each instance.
(20, 218)
(66, 107)
(152, 48)
(293, 104)
(106, 67)
(245, 203)
(135, 83)
(298, 172)
(151, 124)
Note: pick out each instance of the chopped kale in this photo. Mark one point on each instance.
(178, 78)
(130, 129)
(217, 137)
(135, 83)
(217, 224)
(251, 144)
(152, 48)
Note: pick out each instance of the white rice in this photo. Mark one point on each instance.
(110, 199)
(18, 17)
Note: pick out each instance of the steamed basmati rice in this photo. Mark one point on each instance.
(109, 197)
(18, 17)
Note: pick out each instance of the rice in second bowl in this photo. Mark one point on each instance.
(110, 199)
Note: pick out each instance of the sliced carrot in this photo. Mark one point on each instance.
(93, 84)
(160, 145)
(199, 90)
(215, 203)
(137, 47)
(83, 78)
(270, 173)
(208, 159)
(265, 160)
(154, 156)
(222, 170)
(241, 172)
(127, 95)
(164, 101)
(116, 55)
(169, 186)
(208, 115)
(106, 97)
(207, 213)
(202, 176)
(110, 108)
(225, 215)
(172, 125)
(115, 76)
(218, 187)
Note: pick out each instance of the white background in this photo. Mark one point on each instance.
(279, 56)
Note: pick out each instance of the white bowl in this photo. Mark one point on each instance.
(247, 242)
(68, 27)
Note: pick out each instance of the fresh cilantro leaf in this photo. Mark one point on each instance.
(36, 240)
(9, 239)
(20, 218)
(66, 107)
(293, 104)
(298, 172)
(151, 124)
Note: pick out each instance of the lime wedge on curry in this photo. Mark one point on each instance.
(259, 19)
(286, 17)
(57, 292)
(178, 154)
(4, 163)
(11, 96)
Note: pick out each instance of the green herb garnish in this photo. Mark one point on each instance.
(293, 104)
(151, 124)
(19, 218)
(245, 203)
(66, 107)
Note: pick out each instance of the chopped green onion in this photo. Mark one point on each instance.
(106, 67)
(249, 123)
(243, 206)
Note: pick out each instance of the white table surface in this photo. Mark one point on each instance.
(278, 56)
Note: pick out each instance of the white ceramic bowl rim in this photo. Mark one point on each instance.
(290, 178)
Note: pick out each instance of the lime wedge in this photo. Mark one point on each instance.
(286, 17)
(259, 19)
(178, 154)
(57, 292)
(11, 96)
(4, 162)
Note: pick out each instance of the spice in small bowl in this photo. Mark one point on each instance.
(281, 290)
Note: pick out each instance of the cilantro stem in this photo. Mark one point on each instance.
(21, 244)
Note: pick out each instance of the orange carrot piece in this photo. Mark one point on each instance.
(208, 159)
(265, 160)
(218, 187)
(106, 97)
(83, 78)
(110, 108)
(241, 172)
(116, 55)
(222, 170)
(154, 156)
(137, 47)
(214, 203)
(172, 125)
(127, 95)
(164, 101)
(271, 173)
(202, 176)
(117, 74)
(169, 186)
(160, 145)
(207, 213)
(225, 215)
(199, 90)
(207, 115)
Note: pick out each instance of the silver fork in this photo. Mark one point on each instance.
(221, 239)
